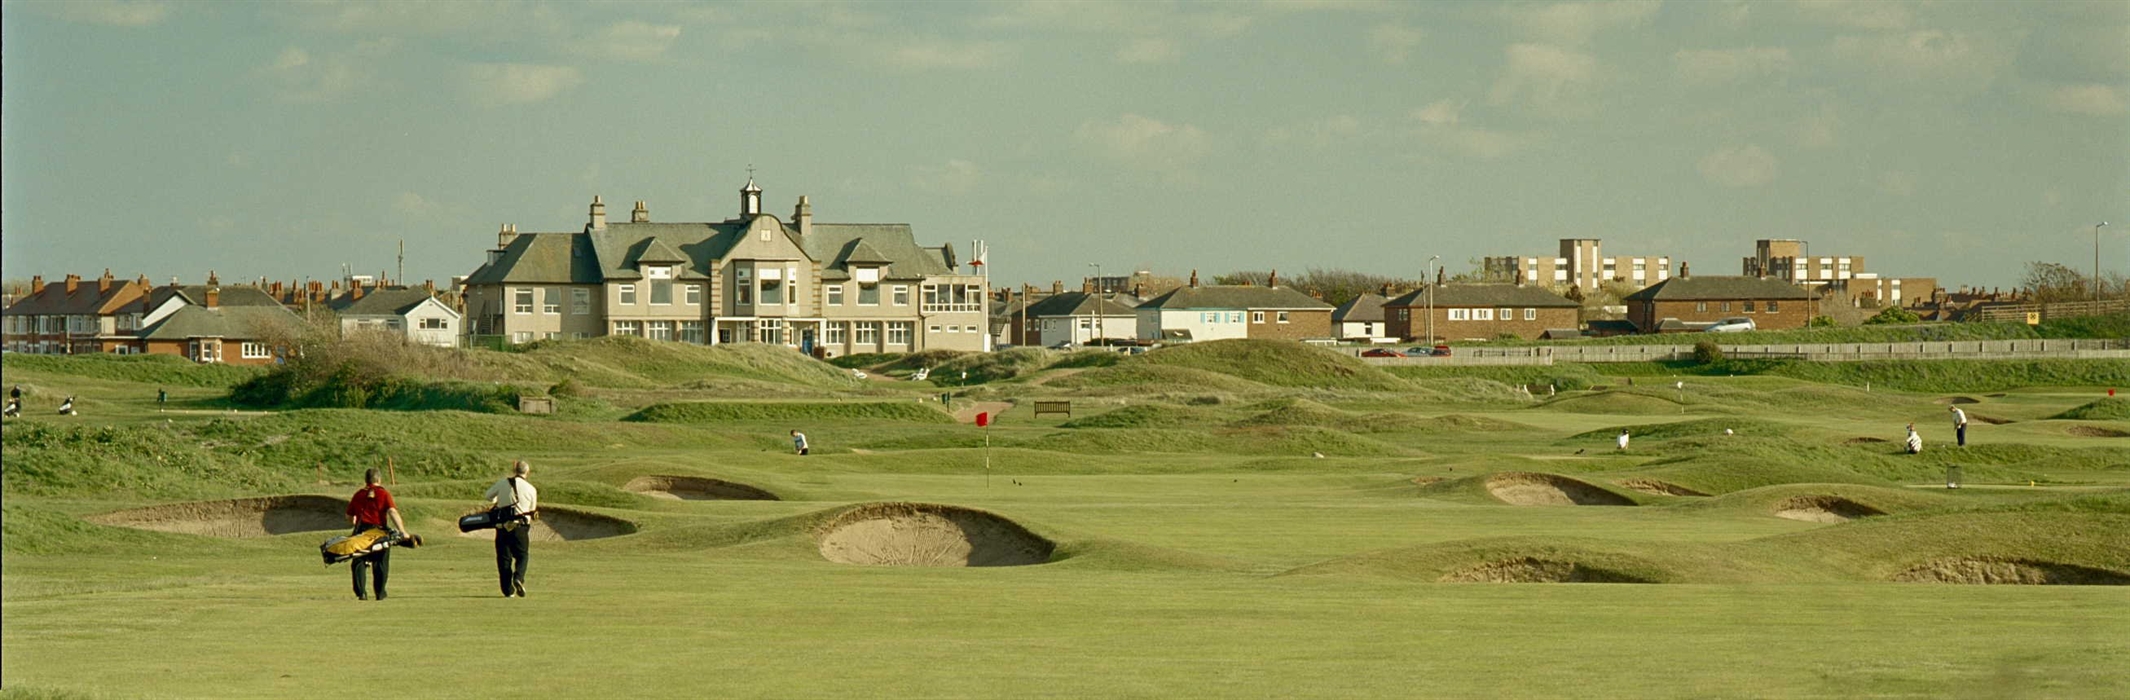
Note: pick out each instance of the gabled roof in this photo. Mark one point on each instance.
(196, 295)
(1084, 304)
(614, 252)
(620, 247)
(839, 247)
(542, 258)
(228, 322)
(1718, 289)
(380, 302)
(1483, 295)
(1367, 308)
(1235, 297)
(86, 300)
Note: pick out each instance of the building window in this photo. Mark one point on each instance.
(930, 294)
(627, 328)
(1235, 317)
(551, 335)
(254, 351)
(1530, 314)
(628, 295)
(868, 294)
(866, 332)
(833, 333)
(1701, 306)
(522, 301)
(1282, 317)
(1257, 317)
(1405, 314)
(1482, 314)
(550, 301)
(835, 294)
(1726, 307)
(434, 324)
(521, 337)
(773, 291)
(745, 291)
(772, 331)
(935, 329)
(691, 332)
(902, 295)
(580, 301)
(1506, 314)
(659, 330)
(694, 294)
(1749, 307)
(898, 332)
(662, 293)
(1460, 314)
(1772, 309)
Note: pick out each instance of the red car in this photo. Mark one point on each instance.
(1381, 352)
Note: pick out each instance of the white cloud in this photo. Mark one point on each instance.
(2090, 98)
(1151, 144)
(1712, 67)
(1440, 126)
(1394, 42)
(413, 204)
(519, 83)
(1149, 50)
(1820, 128)
(956, 176)
(1319, 133)
(1854, 14)
(113, 13)
(1928, 59)
(930, 54)
(1744, 166)
(301, 76)
(640, 42)
(1899, 183)
(1548, 78)
(1576, 23)
(1441, 112)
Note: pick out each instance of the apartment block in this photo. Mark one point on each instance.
(1581, 262)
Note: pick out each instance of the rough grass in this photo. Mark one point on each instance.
(637, 363)
(1277, 363)
(703, 412)
(168, 370)
(1147, 416)
(126, 461)
(2111, 408)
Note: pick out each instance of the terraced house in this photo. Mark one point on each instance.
(75, 316)
(825, 288)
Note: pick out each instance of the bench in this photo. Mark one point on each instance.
(1058, 407)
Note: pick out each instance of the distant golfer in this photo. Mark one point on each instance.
(1915, 442)
(14, 408)
(1959, 425)
(514, 536)
(16, 392)
(798, 442)
(1623, 440)
(66, 408)
(162, 396)
(368, 510)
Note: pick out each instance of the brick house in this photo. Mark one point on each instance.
(1218, 312)
(74, 316)
(1773, 304)
(829, 288)
(1480, 311)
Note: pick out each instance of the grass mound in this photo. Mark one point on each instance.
(145, 369)
(629, 362)
(2011, 571)
(1276, 362)
(1536, 570)
(923, 534)
(244, 517)
(732, 411)
(1611, 402)
(1658, 488)
(568, 524)
(2096, 431)
(1290, 412)
(40, 458)
(1703, 428)
(1458, 422)
(2111, 408)
(1141, 378)
(1538, 489)
(1728, 473)
(985, 367)
(1146, 416)
(695, 488)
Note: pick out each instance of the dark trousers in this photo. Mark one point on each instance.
(379, 567)
(513, 549)
(1962, 430)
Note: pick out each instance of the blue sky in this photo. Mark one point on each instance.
(1945, 139)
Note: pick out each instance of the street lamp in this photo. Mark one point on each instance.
(2096, 259)
(1098, 298)
(1430, 282)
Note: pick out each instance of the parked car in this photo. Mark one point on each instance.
(1440, 351)
(1735, 324)
(1381, 352)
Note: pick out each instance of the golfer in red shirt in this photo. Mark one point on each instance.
(367, 510)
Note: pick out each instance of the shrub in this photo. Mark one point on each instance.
(1821, 322)
(1893, 315)
(1707, 352)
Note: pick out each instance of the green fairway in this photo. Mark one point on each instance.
(1221, 528)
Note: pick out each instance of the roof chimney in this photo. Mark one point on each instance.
(1194, 279)
(1057, 286)
(1272, 280)
(1087, 285)
(505, 234)
(1139, 290)
(36, 284)
(1682, 269)
(429, 286)
(143, 282)
(73, 283)
(212, 280)
(214, 297)
(103, 284)
(598, 215)
(354, 292)
(803, 217)
(1440, 273)
(642, 214)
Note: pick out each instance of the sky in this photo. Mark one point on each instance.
(1955, 140)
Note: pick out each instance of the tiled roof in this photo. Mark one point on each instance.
(1483, 295)
(613, 253)
(232, 322)
(1235, 297)
(1084, 304)
(542, 258)
(1717, 289)
(893, 246)
(86, 300)
(1365, 308)
(380, 302)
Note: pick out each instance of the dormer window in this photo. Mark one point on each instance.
(658, 272)
(868, 275)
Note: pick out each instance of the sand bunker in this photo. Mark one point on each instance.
(2095, 431)
(1824, 509)
(1863, 441)
(244, 517)
(563, 524)
(1532, 489)
(1659, 488)
(695, 488)
(921, 534)
(1990, 420)
(2011, 571)
(1949, 400)
(1425, 480)
(1533, 570)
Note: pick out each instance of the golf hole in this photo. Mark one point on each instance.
(695, 488)
(1824, 509)
(563, 525)
(2011, 571)
(244, 517)
(1659, 488)
(1535, 570)
(922, 534)
(1534, 489)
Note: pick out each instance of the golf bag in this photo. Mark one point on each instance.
(67, 408)
(14, 407)
(345, 547)
(489, 519)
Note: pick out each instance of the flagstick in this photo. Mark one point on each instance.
(987, 456)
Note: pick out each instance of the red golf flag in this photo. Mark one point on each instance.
(983, 419)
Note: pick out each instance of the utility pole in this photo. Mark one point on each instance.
(403, 262)
(1430, 282)
(1098, 298)
(2096, 259)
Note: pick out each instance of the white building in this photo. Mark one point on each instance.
(1074, 318)
(412, 312)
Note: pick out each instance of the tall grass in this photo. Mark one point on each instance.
(168, 370)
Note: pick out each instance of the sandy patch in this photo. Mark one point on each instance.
(1990, 420)
(1950, 400)
(695, 488)
(921, 534)
(1425, 480)
(1824, 509)
(1863, 441)
(1534, 570)
(2011, 571)
(2095, 431)
(1531, 489)
(563, 525)
(967, 414)
(1659, 488)
(243, 517)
